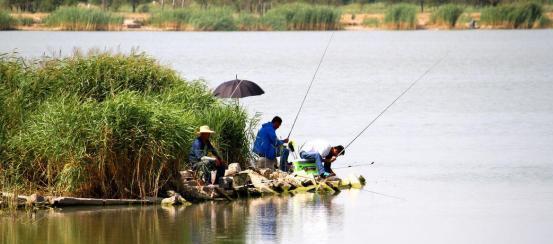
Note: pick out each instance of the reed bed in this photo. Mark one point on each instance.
(106, 125)
(211, 19)
(81, 19)
(300, 16)
(401, 17)
(447, 15)
(7, 22)
(523, 16)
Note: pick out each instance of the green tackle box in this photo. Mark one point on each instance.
(309, 166)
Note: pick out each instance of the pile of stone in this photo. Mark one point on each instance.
(252, 182)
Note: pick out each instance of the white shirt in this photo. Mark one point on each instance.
(320, 146)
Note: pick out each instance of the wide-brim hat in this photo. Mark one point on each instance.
(205, 129)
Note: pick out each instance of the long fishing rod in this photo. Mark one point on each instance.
(310, 84)
(395, 100)
(355, 165)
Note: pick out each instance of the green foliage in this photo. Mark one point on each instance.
(25, 21)
(401, 16)
(447, 15)
(7, 22)
(104, 125)
(213, 19)
(371, 22)
(80, 19)
(302, 17)
(513, 16)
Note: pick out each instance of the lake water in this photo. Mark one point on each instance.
(469, 150)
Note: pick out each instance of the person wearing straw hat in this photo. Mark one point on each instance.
(199, 159)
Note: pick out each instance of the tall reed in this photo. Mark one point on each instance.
(301, 16)
(81, 19)
(106, 125)
(447, 15)
(211, 19)
(524, 16)
(401, 16)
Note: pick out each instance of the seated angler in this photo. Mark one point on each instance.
(200, 161)
(321, 151)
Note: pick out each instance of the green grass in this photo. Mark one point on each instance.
(25, 21)
(371, 22)
(302, 17)
(401, 16)
(81, 19)
(7, 22)
(371, 8)
(524, 16)
(212, 19)
(106, 125)
(447, 15)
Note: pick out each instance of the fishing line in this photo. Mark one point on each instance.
(386, 195)
(395, 100)
(310, 84)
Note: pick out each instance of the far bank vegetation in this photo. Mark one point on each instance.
(272, 15)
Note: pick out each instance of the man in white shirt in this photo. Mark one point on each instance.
(321, 151)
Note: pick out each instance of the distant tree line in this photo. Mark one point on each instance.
(253, 6)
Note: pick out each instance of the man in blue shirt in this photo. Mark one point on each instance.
(267, 146)
(199, 159)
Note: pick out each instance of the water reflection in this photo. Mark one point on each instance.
(253, 220)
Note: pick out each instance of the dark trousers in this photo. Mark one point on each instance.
(204, 168)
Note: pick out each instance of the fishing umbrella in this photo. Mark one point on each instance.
(237, 89)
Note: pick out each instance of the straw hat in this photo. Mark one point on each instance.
(205, 129)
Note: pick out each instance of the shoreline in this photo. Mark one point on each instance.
(348, 22)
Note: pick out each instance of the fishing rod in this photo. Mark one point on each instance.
(355, 165)
(310, 84)
(394, 101)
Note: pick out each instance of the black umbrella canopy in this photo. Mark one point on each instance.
(237, 89)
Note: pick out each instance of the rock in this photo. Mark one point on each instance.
(362, 180)
(190, 183)
(176, 199)
(233, 169)
(186, 175)
(36, 199)
(278, 175)
(195, 193)
(242, 179)
(226, 183)
(354, 182)
(266, 172)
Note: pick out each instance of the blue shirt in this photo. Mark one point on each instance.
(266, 142)
(200, 149)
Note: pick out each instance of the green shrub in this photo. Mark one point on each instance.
(7, 22)
(401, 16)
(105, 125)
(80, 19)
(302, 17)
(447, 15)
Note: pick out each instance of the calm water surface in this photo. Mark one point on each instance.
(469, 148)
